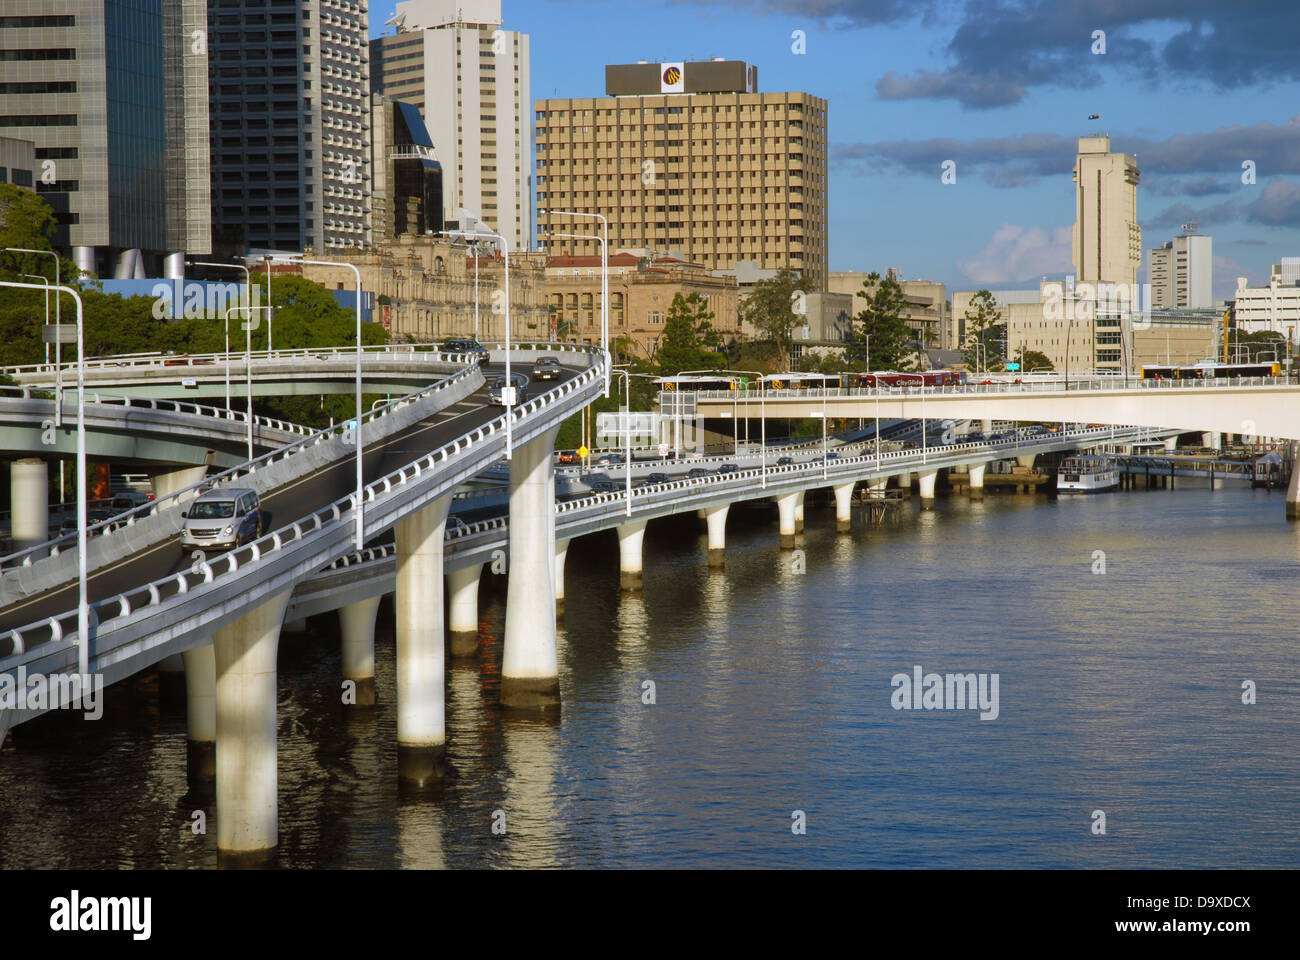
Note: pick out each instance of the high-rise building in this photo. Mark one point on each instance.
(689, 158)
(407, 193)
(290, 124)
(90, 85)
(1181, 273)
(1106, 242)
(469, 78)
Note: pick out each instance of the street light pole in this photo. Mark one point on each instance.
(44, 280)
(58, 343)
(360, 526)
(508, 392)
(83, 602)
(604, 279)
(248, 364)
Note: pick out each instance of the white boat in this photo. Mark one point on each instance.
(1087, 474)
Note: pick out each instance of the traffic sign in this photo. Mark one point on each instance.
(59, 333)
(583, 452)
(1012, 367)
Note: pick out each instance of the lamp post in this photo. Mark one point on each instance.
(83, 603)
(627, 440)
(604, 286)
(360, 526)
(44, 280)
(508, 391)
(248, 364)
(604, 278)
(248, 292)
(58, 343)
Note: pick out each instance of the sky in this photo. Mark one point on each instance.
(1206, 94)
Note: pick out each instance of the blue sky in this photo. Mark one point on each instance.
(1003, 88)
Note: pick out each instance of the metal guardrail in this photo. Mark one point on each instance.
(52, 548)
(975, 389)
(332, 521)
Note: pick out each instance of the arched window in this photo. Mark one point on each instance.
(438, 267)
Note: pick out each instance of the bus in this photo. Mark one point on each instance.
(1210, 370)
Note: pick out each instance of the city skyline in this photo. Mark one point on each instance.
(911, 88)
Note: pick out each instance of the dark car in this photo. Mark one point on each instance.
(521, 389)
(547, 368)
(832, 456)
(784, 461)
(696, 472)
(729, 468)
(652, 478)
(608, 486)
(466, 346)
(605, 459)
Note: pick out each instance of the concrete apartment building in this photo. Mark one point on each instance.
(927, 315)
(425, 290)
(119, 130)
(1106, 242)
(290, 125)
(1181, 273)
(642, 286)
(690, 157)
(1274, 308)
(468, 77)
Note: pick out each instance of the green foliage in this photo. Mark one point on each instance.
(889, 346)
(27, 221)
(771, 308)
(986, 334)
(1031, 360)
(687, 337)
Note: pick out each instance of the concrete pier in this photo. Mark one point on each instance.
(798, 511)
(421, 681)
(171, 678)
(986, 427)
(357, 626)
(716, 518)
(1171, 444)
(785, 505)
(561, 554)
(843, 507)
(530, 673)
(1293, 487)
(167, 482)
(201, 713)
(927, 480)
(631, 536)
(29, 500)
(462, 590)
(247, 810)
(976, 475)
(1027, 460)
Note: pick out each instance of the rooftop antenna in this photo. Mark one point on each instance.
(1189, 227)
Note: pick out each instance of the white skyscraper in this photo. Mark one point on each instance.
(482, 135)
(1182, 273)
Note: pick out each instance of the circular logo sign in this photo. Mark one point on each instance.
(672, 76)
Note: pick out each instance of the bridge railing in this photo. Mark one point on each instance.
(145, 403)
(52, 548)
(403, 351)
(59, 628)
(1080, 384)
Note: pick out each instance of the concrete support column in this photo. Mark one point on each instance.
(798, 511)
(843, 507)
(986, 427)
(977, 479)
(1212, 440)
(1293, 487)
(530, 672)
(421, 683)
(878, 486)
(201, 713)
(29, 500)
(561, 554)
(716, 517)
(247, 811)
(462, 585)
(167, 482)
(1171, 444)
(631, 535)
(927, 479)
(357, 625)
(785, 505)
(1027, 460)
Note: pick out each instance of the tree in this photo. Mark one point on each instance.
(986, 333)
(880, 337)
(775, 307)
(687, 329)
(1031, 360)
(27, 221)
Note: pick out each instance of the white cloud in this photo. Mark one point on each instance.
(1016, 254)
